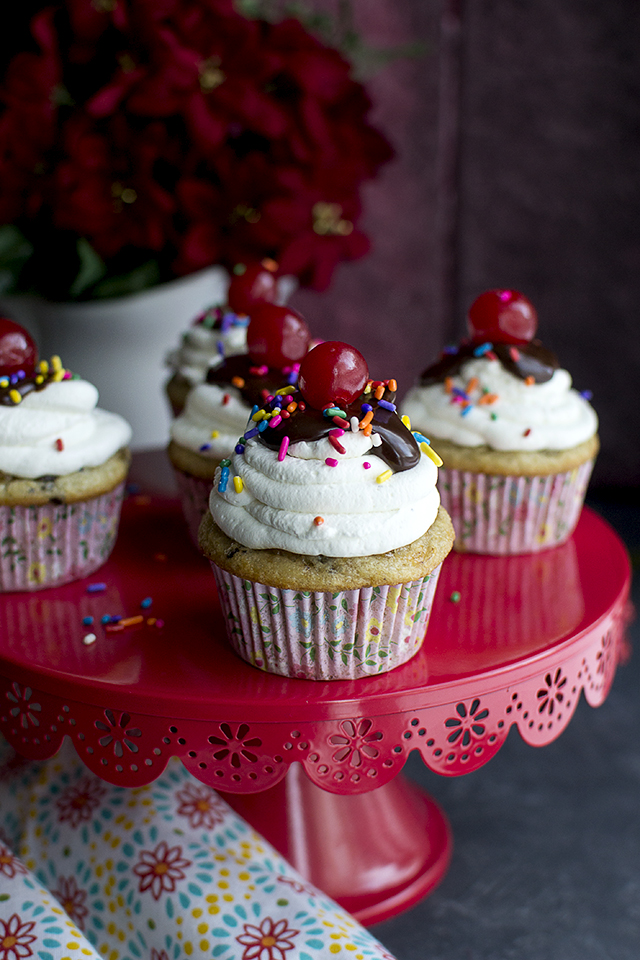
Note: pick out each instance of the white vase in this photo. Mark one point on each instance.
(120, 344)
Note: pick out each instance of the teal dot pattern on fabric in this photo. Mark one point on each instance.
(90, 871)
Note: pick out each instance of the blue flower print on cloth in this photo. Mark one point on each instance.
(162, 872)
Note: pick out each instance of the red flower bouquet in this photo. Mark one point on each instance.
(143, 140)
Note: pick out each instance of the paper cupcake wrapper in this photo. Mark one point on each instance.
(512, 514)
(194, 499)
(47, 546)
(326, 636)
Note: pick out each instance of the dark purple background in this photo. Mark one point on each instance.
(518, 164)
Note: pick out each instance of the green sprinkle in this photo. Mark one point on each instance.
(225, 463)
(494, 416)
(239, 269)
(455, 597)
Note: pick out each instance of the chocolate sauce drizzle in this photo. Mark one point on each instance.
(24, 385)
(257, 386)
(398, 449)
(529, 360)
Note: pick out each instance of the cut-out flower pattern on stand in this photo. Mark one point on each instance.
(355, 742)
(467, 725)
(117, 732)
(551, 696)
(236, 747)
(24, 708)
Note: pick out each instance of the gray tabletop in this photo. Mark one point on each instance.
(546, 861)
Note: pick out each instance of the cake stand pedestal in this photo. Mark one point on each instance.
(313, 765)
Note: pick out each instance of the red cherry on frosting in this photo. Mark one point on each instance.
(17, 348)
(332, 372)
(276, 336)
(503, 316)
(256, 284)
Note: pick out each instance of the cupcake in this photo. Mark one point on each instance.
(325, 530)
(216, 412)
(221, 330)
(518, 442)
(63, 464)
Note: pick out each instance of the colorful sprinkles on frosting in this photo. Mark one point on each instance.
(285, 403)
(14, 388)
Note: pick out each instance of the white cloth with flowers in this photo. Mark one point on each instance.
(162, 872)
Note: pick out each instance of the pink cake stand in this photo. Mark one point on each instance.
(313, 766)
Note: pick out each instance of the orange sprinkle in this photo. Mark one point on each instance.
(379, 393)
(366, 420)
(269, 264)
(448, 384)
(131, 621)
(367, 430)
(393, 385)
(472, 385)
(488, 398)
(318, 521)
(529, 381)
(291, 407)
(237, 382)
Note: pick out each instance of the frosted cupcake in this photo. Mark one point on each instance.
(324, 530)
(216, 412)
(63, 464)
(221, 330)
(518, 442)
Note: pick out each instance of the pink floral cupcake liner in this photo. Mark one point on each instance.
(512, 514)
(326, 636)
(53, 544)
(194, 498)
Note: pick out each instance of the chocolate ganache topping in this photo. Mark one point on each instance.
(15, 387)
(254, 382)
(523, 361)
(397, 447)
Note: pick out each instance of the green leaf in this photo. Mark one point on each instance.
(345, 605)
(145, 276)
(92, 268)
(15, 250)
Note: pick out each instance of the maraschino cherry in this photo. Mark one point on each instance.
(253, 285)
(277, 336)
(17, 348)
(503, 316)
(333, 372)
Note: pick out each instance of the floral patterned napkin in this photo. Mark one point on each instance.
(163, 872)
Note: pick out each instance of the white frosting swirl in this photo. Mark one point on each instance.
(64, 411)
(201, 348)
(361, 517)
(210, 425)
(543, 416)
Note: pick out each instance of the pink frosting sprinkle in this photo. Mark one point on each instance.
(330, 462)
(366, 465)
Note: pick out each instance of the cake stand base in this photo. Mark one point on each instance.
(375, 853)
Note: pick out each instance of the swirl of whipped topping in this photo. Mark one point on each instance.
(203, 347)
(484, 404)
(281, 501)
(57, 430)
(210, 424)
